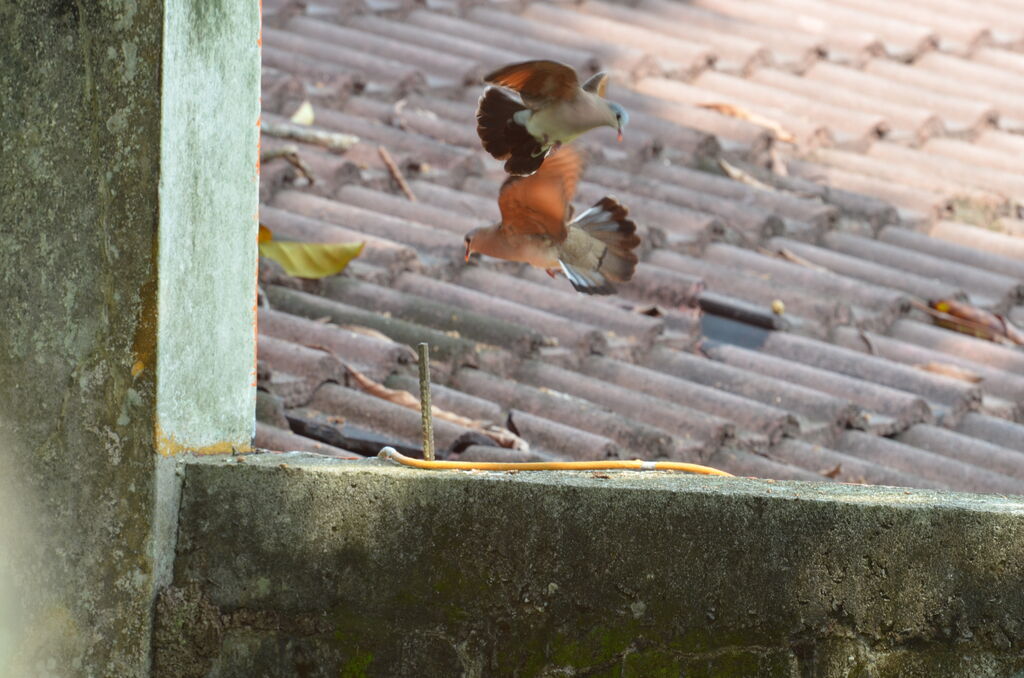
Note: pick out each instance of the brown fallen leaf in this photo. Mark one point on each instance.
(781, 133)
(950, 370)
(736, 174)
(396, 173)
(367, 332)
(332, 141)
(834, 473)
(306, 259)
(377, 334)
(291, 155)
(968, 319)
(795, 258)
(501, 436)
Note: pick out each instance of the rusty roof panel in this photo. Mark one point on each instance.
(807, 404)
(734, 135)
(569, 333)
(902, 408)
(287, 225)
(971, 450)
(484, 42)
(990, 262)
(639, 439)
(421, 236)
(845, 468)
(956, 473)
(903, 40)
(682, 421)
(991, 380)
(994, 430)
(307, 53)
(902, 122)
(273, 438)
(877, 274)
(951, 398)
(640, 328)
(790, 49)
(714, 188)
(679, 57)
(886, 79)
(955, 343)
(1004, 245)
(440, 68)
(809, 132)
(913, 204)
(842, 42)
(743, 463)
(850, 128)
(748, 414)
(611, 55)
(733, 53)
(992, 290)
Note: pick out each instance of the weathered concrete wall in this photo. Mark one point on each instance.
(289, 566)
(87, 241)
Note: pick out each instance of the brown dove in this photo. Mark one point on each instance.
(593, 250)
(555, 109)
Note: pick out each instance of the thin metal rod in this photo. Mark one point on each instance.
(426, 411)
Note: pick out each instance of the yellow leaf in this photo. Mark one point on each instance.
(311, 260)
(304, 114)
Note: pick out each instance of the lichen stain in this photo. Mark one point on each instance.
(168, 445)
(126, 17)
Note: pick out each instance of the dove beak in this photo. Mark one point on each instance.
(620, 135)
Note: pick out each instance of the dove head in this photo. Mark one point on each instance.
(621, 117)
(482, 239)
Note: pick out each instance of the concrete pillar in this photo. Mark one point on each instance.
(128, 201)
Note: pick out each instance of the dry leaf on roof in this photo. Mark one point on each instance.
(780, 132)
(289, 153)
(736, 174)
(332, 141)
(396, 173)
(367, 332)
(501, 436)
(307, 260)
(950, 370)
(795, 258)
(963, 317)
(304, 114)
(833, 473)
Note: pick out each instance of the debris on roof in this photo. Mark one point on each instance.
(807, 176)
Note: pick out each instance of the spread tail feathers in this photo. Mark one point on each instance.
(608, 222)
(503, 137)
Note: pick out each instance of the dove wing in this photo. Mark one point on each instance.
(539, 204)
(539, 83)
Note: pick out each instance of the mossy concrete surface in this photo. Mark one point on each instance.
(90, 302)
(297, 566)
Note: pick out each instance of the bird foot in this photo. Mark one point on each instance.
(551, 271)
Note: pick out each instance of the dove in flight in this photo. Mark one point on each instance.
(555, 109)
(593, 250)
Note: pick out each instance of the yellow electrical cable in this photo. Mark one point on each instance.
(635, 464)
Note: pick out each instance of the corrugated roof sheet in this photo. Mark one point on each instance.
(901, 183)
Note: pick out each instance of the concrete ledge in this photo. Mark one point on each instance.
(296, 565)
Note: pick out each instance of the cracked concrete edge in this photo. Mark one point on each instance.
(372, 569)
